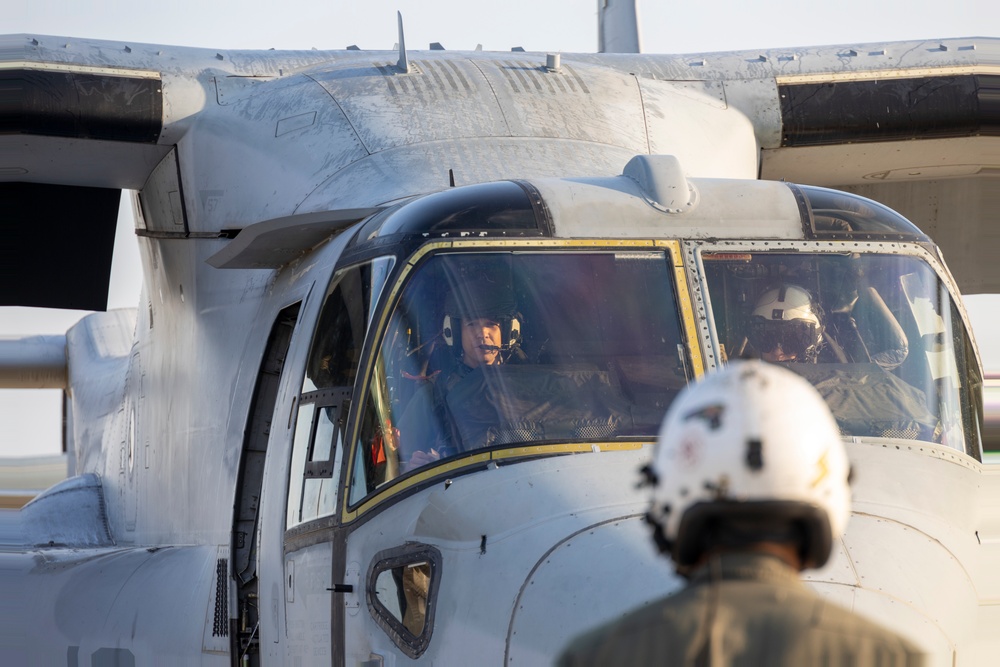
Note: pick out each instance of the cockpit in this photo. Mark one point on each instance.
(877, 334)
(565, 357)
(462, 330)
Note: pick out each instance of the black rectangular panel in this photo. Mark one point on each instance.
(837, 112)
(56, 243)
(85, 106)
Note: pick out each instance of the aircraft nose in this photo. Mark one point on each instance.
(580, 584)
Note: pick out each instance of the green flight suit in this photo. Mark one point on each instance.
(747, 610)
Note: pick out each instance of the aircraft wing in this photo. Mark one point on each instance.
(915, 125)
(81, 120)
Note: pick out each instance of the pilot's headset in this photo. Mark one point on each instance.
(483, 298)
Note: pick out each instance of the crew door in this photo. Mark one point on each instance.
(314, 577)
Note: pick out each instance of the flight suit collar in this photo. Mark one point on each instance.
(745, 566)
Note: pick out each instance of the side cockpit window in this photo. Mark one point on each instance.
(489, 350)
(316, 456)
(331, 370)
(878, 335)
(343, 323)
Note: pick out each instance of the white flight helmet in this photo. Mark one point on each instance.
(755, 445)
(786, 315)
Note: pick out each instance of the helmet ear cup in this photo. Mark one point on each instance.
(446, 331)
(514, 333)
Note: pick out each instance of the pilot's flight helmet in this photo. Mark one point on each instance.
(787, 316)
(748, 454)
(483, 297)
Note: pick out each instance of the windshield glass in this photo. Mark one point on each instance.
(492, 350)
(878, 335)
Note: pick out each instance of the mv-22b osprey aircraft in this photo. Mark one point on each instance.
(287, 454)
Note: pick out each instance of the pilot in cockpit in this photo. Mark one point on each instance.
(480, 327)
(786, 325)
(484, 314)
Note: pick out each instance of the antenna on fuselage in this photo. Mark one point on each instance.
(403, 64)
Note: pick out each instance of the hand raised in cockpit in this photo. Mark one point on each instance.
(421, 458)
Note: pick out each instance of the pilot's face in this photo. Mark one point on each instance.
(480, 342)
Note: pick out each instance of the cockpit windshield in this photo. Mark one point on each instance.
(492, 350)
(877, 334)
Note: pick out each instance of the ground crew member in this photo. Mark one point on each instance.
(750, 486)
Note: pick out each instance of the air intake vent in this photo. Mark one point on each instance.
(220, 623)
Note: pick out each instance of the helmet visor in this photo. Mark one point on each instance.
(796, 338)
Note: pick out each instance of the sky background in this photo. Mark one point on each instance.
(30, 420)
